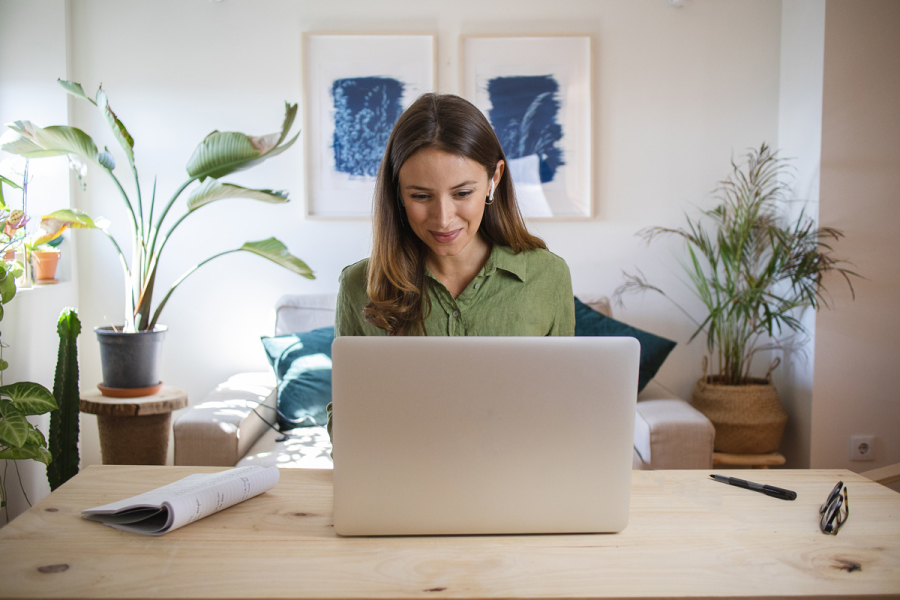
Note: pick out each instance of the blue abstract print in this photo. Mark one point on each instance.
(366, 109)
(524, 115)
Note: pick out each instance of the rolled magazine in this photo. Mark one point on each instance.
(187, 500)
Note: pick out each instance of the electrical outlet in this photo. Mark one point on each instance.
(862, 447)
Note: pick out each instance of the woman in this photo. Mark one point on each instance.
(450, 253)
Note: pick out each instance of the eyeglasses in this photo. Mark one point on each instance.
(835, 510)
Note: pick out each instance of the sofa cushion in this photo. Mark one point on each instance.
(304, 312)
(222, 428)
(301, 448)
(654, 349)
(302, 365)
(672, 434)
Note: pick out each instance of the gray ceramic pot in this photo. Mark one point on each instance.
(130, 360)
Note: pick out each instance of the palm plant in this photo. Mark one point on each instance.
(754, 270)
(218, 155)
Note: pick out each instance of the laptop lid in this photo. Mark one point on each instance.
(482, 435)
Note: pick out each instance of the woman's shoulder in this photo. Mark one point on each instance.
(357, 272)
(353, 281)
(540, 260)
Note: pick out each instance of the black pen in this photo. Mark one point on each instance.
(768, 490)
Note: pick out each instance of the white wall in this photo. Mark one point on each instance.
(858, 343)
(677, 91)
(800, 140)
(28, 90)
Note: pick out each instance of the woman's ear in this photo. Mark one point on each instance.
(498, 172)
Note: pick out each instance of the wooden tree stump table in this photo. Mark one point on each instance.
(134, 431)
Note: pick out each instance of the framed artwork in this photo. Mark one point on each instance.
(355, 88)
(536, 93)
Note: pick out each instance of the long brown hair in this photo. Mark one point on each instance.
(396, 283)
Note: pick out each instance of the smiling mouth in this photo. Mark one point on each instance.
(445, 237)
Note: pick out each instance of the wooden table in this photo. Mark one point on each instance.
(134, 431)
(688, 536)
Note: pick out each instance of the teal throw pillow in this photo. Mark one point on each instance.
(302, 365)
(654, 349)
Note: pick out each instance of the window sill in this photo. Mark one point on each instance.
(44, 288)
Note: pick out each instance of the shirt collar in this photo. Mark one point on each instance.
(504, 258)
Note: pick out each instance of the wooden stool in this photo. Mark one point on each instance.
(757, 461)
(134, 431)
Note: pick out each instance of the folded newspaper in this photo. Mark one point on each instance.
(184, 501)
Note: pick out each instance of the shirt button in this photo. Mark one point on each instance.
(455, 313)
(477, 285)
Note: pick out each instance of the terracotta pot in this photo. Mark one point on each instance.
(748, 418)
(44, 264)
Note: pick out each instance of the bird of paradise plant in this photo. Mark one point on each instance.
(218, 155)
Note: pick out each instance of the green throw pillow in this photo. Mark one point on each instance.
(654, 349)
(302, 364)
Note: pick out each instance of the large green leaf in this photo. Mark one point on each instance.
(278, 253)
(3, 205)
(29, 397)
(10, 182)
(117, 127)
(28, 451)
(17, 143)
(7, 286)
(224, 152)
(290, 113)
(75, 89)
(214, 190)
(53, 225)
(36, 437)
(13, 425)
(30, 141)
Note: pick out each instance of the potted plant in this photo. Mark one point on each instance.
(44, 260)
(130, 351)
(754, 270)
(19, 439)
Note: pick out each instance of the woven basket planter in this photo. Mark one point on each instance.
(748, 418)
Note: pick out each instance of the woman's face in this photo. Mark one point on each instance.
(444, 197)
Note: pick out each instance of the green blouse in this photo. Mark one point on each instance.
(529, 293)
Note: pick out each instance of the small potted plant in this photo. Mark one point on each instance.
(753, 269)
(44, 260)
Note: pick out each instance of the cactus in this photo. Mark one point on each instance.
(64, 420)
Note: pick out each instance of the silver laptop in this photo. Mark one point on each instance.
(483, 435)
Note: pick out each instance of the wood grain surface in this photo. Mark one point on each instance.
(166, 400)
(688, 536)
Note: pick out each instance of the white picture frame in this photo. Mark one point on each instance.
(354, 88)
(537, 93)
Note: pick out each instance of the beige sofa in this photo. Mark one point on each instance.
(228, 428)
